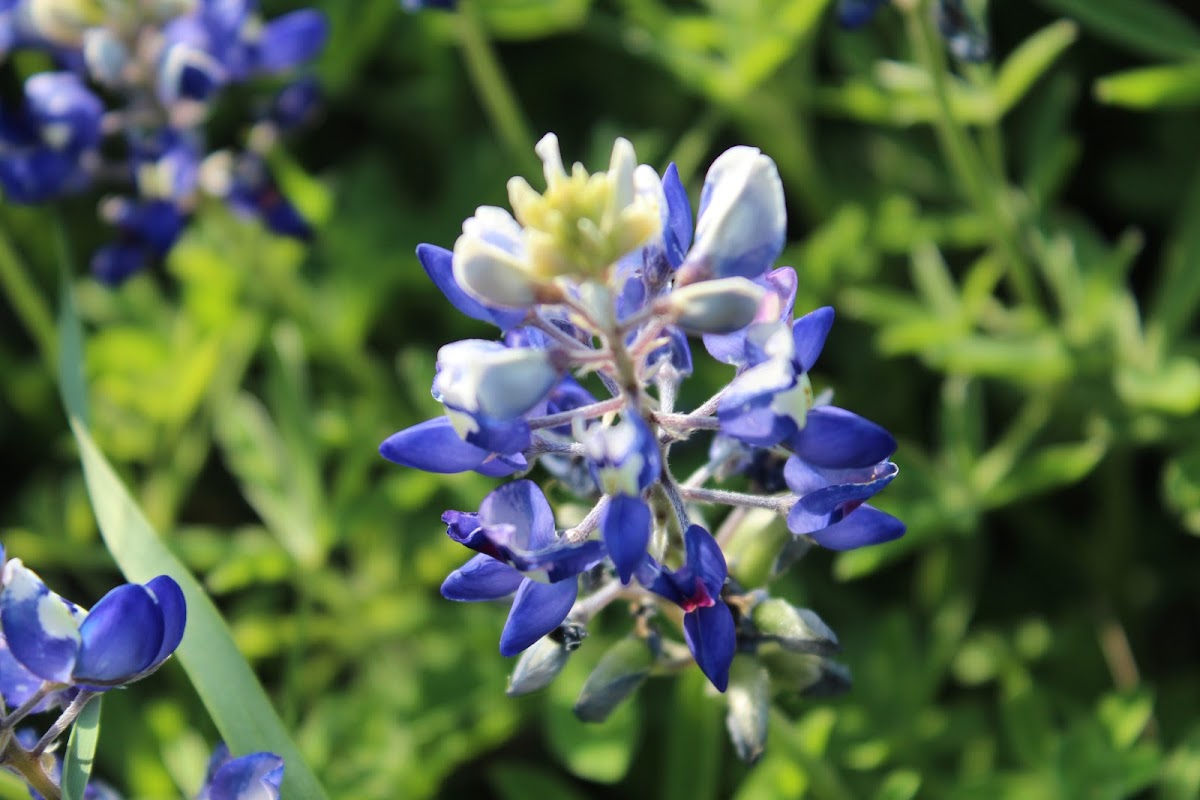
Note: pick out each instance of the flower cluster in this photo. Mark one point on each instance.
(964, 35)
(595, 284)
(126, 108)
(56, 654)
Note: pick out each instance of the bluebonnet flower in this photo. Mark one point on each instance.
(126, 636)
(163, 66)
(600, 276)
(695, 587)
(964, 35)
(625, 461)
(519, 552)
(256, 776)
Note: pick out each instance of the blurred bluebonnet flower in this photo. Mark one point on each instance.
(965, 36)
(256, 776)
(162, 66)
(599, 278)
(417, 5)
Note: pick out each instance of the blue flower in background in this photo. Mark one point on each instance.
(126, 636)
(162, 66)
(256, 776)
(44, 144)
(695, 587)
(418, 5)
(963, 33)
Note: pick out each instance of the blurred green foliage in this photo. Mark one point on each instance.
(1014, 253)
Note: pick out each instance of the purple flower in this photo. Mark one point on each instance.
(515, 536)
(146, 232)
(256, 776)
(126, 636)
(434, 446)
(253, 193)
(625, 462)
(44, 144)
(832, 510)
(695, 587)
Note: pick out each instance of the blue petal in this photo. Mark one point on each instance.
(437, 264)
(253, 777)
(121, 636)
(432, 446)
(678, 233)
(41, 630)
(503, 466)
(497, 435)
(292, 39)
(776, 306)
(834, 437)
(851, 489)
(481, 578)
(864, 526)
(173, 607)
(17, 684)
(712, 638)
(808, 336)
(626, 531)
(537, 610)
(113, 263)
(705, 559)
(522, 505)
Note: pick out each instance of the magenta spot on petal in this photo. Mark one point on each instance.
(700, 599)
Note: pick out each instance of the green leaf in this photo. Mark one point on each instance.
(1125, 716)
(600, 752)
(1032, 58)
(1051, 467)
(1143, 26)
(1181, 487)
(1152, 87)
(902, 784)
(224, 681)
(532, 19)
(1180, 775)
(81, 750)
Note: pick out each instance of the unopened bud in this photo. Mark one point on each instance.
(492, 275)
(540, 664)
(717, 306)
(749, 698)
(796, 629)
(618, 675)
(806, 674)
(754, 547)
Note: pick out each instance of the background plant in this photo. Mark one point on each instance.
(1013, 251)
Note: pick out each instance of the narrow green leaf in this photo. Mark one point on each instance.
(1032, 58)
(222, 678)
(1148, 27)
(1152, 87)
(81, 750)
(1051, 467)
(692, 761)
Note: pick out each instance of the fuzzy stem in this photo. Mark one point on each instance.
(63, 722)
(598, 409)
(781, 502)
(687, 422)
(25, 708)
(30, 768)
(584, 529)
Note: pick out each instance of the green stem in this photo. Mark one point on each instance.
(31, 308)
(964, 158)
(498, 98)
